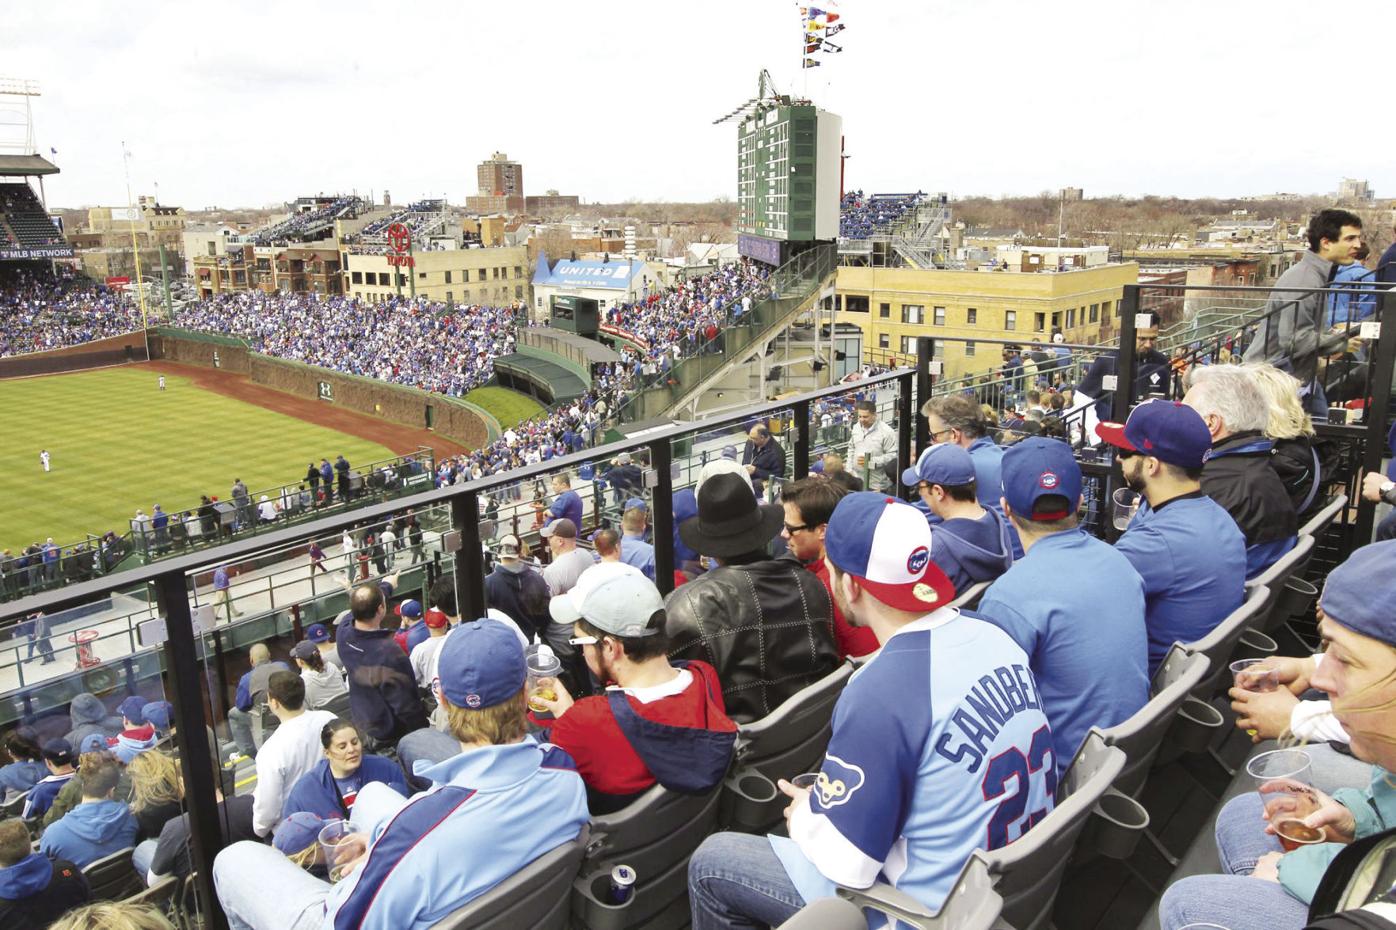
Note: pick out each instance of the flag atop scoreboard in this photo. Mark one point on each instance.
(788, 161)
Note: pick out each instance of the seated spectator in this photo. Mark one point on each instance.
(634, 549)
(156, 792)
(1185, 547)
(322, 683)
(1238, 475)
(834, 470)
(319, 634)
(58, 759)
(70, 795)
(160, 715)
(292, 749)
(766, 625)
(808, 504)
(34, 889)
(763, 458)
(905, 793)
(423, 657)
(114, 915)
(251, 688)
(1295, 456)
(412, 631)
(957, 419)
(657, 722)
(970, 542)
(382, 690)
(330, 788)
(89, 715)
(171, 855)
(519, 591)
(1090, 663)
(568, 562)
(423, 858)
(137, 734)
(1265, 888)
(99, 825)
(26, 766)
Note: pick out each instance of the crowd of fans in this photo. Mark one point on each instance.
(861, 216)
(303, 222)
(42, 312)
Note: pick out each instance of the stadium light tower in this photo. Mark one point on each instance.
(17, 115)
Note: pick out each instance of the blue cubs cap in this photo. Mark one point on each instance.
(635, 503)
(1359, 593)
(317, 633)
(92, 742)
(131, 709)
(944, 464)
(481, 664)
(1039, 467)
(1165, 429)
(297, 832)
(886, 545)
(409, 608)
(158, 714)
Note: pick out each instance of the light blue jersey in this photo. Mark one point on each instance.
(939, 747)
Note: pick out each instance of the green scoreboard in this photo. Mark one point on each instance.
(788, 167)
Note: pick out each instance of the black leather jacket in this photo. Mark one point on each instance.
(768, 629)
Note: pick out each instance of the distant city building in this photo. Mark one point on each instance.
(500, 176)
(494, 277)
(1073, 194)
(1352, 190)
(551, 202)
(312, 268)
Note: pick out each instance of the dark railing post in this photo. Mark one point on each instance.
(1124, 361)
(925, 351)
(1378, 406)
(200, 781)
(906, 419)
(661, 459)
(469, 559)
(802, 445)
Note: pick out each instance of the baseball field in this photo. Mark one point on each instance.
(116, 443)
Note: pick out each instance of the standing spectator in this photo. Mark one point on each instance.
(1090, 664)
(763, 457)
(1185, 547)
(388, 541)
(50, 555)
(567, 505)
(872, 445)
(99, 825)
(222, 592)
(520, 592)
(251, 690)
(341, 470)
(657, 722)
(970, 542)
(242, 501)
(327, 479)
(312, 478)
(160, 524)
(808, 504)
(382, 689)
(766, 625)
(291, 751)
(1238, 474)
(957, 419)
(38, 629)
(634, 550)
(208, 516)
(1151, 375)
(317, 558)
(568, 561)
(349, 549)
(904, 793)
(35, 890)
(525, 799)
(623, 476)
(1291, 336)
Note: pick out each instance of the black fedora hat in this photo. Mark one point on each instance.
(729, 520)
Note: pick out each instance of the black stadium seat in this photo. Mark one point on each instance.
(534, 898)
(112, 878)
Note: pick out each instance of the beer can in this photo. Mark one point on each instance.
(622, 884)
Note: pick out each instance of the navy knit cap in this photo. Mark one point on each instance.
(1360, 593)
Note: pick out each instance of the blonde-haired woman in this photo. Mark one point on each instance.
(1293, 457)
(157, 793)
(114, 915)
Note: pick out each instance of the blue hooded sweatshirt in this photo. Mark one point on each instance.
(26, 878)
(90, 831)
(970, 551)
(21, 776)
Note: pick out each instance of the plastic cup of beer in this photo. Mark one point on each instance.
(1126, 504)
(805, 780)
(543, 669)
(332, 837)
(1253, 675)
(1293, 833)
(1283, 780)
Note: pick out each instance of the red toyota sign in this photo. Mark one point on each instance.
(117, 284)
(399, 237)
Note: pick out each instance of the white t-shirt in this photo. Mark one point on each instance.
(423, 659)
(289, 753)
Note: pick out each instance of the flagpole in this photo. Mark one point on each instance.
(135, 245)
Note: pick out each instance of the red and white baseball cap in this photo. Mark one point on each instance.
(886, 545)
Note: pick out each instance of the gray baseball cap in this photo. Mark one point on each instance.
(613, 597)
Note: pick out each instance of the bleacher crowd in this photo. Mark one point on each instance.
(303, 222)
(37, 314)
(861, 216)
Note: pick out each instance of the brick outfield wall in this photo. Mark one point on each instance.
(395, 403)
(114, 350)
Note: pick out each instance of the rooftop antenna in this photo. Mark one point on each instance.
(17, 115)
(766, 97)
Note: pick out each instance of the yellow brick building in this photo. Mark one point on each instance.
(497, 277)
(893, 306)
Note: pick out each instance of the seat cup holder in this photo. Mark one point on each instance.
(597, 912)
(1195, 726)
(1116, 824)
(1254, 644)
(750, 801)
(1297, 600)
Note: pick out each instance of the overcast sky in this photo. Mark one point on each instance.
(221, 104)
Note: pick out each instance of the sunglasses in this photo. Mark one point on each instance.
(584, 640)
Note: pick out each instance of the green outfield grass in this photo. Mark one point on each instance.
(117, 443)
(510, 408)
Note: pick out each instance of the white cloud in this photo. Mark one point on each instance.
(245, 105)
